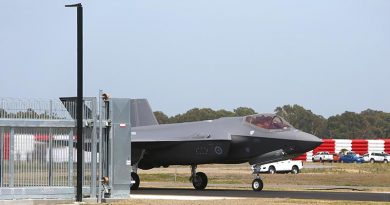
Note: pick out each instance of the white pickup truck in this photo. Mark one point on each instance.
(322, 157)
(376, 157)
(293, 166)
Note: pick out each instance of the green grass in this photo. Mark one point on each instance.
(372, 177)
(164, 177)
(270, 201)
(338, 174)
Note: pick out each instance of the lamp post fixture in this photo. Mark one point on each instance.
(79, 101)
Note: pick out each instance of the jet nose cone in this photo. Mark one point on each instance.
(308, 142)
(315, 142)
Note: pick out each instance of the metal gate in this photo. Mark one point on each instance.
(37, 148)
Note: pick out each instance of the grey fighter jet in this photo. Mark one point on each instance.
(257, 139)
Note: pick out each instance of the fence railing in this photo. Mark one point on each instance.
(37, 147)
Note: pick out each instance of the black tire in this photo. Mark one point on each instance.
(200, 181)
(272, 170)
(295, 169)
(385, 161)
(134, 177)
(372, 160)
(257, 185)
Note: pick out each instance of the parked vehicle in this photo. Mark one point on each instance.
(322, 156)
(374, 157)
(293, 166)
(387, 157)
(336, 157)
(351, 157)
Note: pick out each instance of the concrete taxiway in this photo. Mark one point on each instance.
(230, 193)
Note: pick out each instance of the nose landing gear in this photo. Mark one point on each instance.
(199, 179)
(257, 183)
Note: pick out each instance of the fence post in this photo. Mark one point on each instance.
(11, 157)
(1, 155)
(100, 146)
(93, 151)
(110, 147)
(70, 158)
(50, 145)
(50, 157)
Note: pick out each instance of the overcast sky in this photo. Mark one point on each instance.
(328, 56)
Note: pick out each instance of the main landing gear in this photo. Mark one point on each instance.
(135, 181)
(257, 183)
(134, 185)
(198, 179)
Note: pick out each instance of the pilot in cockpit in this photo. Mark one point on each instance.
(268, 121)
(264, 122)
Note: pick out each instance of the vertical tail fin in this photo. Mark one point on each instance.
(141, 113)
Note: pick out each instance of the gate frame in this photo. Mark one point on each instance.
(116, 113)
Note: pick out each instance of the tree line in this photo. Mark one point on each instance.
(368, 124)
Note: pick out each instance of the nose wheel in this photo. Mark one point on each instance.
(257, 184)
(199, 179)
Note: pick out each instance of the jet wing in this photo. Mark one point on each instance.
(195, 131)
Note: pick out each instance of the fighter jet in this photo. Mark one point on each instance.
(256, 139)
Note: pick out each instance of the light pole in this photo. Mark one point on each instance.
(79, 102)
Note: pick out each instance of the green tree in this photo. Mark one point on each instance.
(244, 111)
(303, 119)
(378, 124)
(224, 113)
(196, 114)
(161, 117)
(368, 124)
(348, 125)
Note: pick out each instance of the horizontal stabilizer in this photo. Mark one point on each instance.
(141, 113)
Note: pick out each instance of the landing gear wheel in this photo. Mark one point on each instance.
(199, 181)
(257, 185)
(134, 177)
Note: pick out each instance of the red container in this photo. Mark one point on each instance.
(360, 146)
(327, 145)
(387, 145)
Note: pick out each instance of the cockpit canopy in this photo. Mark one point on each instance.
(267, 121)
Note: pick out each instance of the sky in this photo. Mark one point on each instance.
(329, 56)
